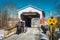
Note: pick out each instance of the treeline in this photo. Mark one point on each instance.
(7, 10)
(4, 19)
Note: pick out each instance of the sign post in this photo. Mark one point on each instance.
(51, 21)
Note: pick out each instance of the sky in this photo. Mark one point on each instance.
(45, 5)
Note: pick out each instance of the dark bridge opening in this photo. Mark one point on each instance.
(27, 16)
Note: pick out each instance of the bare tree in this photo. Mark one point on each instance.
(5, 14)
(5, 19)
(13, 8)
(0, 18)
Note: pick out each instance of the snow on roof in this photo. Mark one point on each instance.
(31, 7)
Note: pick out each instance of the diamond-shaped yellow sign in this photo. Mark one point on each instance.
(51, 21)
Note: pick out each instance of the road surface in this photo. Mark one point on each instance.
(29, 35)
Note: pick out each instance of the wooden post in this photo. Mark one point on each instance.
(51, 31)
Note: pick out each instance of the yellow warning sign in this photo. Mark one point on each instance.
(51, 21)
